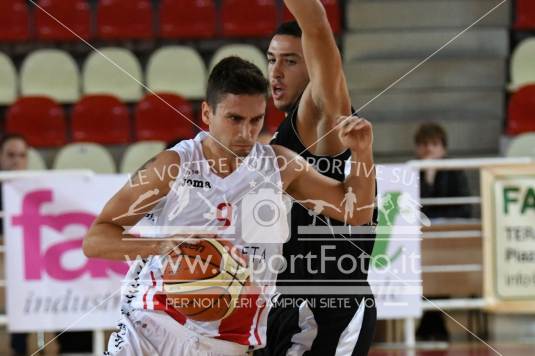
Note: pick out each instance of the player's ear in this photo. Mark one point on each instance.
(205, 112)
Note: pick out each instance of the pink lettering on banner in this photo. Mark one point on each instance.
(37, 261)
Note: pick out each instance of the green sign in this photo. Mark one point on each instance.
(389, 211)
(515, 238)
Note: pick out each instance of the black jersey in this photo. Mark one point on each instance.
(338, 267)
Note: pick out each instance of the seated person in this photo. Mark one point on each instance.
(431, 143)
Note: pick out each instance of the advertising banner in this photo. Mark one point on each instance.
(51, 285)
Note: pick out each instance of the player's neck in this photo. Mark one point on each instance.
(221, 161)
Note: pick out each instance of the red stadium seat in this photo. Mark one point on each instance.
(102, 119)
(39, 119)
(164, 120)
(273, 117)
(525, 15)
(521, 111)
(14, 21)
(332, 7)
(124, 19)
(187, 19)
(76, 15)
(248, 18)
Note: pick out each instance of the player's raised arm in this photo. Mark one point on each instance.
(327, 88)
(150, 184)
(305, 184)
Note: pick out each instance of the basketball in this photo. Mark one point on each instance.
(205, 280)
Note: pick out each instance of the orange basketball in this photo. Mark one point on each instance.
(205, 279)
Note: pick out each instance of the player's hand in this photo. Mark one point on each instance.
(355, 133)
(171, 246)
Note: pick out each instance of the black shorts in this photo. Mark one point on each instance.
(297, 329)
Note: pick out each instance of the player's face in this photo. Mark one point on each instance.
(237, 121)
(14, 155)
(431, 149)
(288, 75)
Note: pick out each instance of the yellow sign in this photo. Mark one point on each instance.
(508, 203)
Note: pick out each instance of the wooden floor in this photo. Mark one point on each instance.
(478, 349)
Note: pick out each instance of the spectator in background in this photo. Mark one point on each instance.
(431, 142)
(14, 157)
(13, 153)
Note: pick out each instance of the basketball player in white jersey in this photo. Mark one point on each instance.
(223, 168)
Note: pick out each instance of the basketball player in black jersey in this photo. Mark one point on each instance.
(308, 83)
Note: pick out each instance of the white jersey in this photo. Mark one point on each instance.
(200, 200)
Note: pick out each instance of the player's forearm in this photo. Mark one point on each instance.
(324, 63)
(105, 240)
(310, 14)
(362, 181)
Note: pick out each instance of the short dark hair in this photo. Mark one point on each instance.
(237, 76)
(11, 136)
(290, 28)
(429, 132)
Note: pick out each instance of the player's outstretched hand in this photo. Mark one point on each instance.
(355, 133)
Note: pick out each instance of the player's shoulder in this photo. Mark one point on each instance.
(286, 157)
(183, 145)
(283, 151)
(168, 156)
(187, 150)
(308, 109)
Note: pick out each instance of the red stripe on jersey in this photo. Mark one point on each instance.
(153, 279)
(147, 291)
(160, 303)
(258, 340)
(237, 326)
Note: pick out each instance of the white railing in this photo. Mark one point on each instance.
(454, 303)
(467, 163)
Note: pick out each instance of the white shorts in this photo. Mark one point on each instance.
(146, 333)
